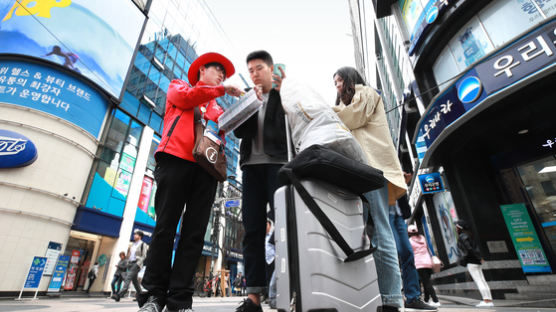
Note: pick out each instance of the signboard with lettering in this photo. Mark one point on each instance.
(431, 183)
(35, 273)
(54, 92)
(58, 274)
(521, 58)
(525, 239)
(52, 253)
(428, 16)
(16, 150)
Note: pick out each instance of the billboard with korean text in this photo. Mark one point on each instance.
(94, 38)
(53, 92)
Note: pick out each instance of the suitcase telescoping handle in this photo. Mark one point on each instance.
(288, 139)
(325, 221)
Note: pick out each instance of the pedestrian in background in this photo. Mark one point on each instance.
(263, 151)
(423, 263)
(119, 276)
(182, 182)
(92, 276)
(471, 258)
(361, 109)
(136, 254)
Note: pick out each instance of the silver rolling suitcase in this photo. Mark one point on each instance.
(312, 271)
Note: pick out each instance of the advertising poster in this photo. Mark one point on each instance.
(52, 253)
(51, 91)
(145, 195)
(411, 11)
(445, 212)
(35, 273)
(123, 181)
(58, 274)
(525, 239)
(431, 183)
(93, 38)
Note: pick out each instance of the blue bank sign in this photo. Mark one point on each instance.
(54, 92)
(521, 59)
(16, 150)
(431, 183)
(430, 14)
(35, 273)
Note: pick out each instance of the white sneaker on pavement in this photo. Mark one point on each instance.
(485, 304)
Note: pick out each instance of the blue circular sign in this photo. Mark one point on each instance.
(432, 14)
(429, 179)
(16, 150)
(469, 89)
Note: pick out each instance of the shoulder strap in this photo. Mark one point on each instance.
(325, 221)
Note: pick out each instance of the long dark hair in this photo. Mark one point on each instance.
(351, 77)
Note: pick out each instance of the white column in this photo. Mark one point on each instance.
(131, 203)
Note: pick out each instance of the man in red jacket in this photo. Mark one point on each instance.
(182, 182)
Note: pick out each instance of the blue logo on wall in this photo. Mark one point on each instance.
(469, 89)
(429, 179)
(16, 150)
(432, 14)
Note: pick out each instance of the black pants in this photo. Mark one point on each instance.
(425, 277)
(179, 183)
(259, 184)
(91, 281)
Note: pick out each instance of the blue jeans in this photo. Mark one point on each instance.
(411, 287)
(386, 262)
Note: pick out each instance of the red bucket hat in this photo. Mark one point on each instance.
(207, 58)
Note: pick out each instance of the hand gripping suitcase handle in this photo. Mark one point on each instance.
(326, 223)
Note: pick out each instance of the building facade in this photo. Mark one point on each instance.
(94, 118)
(471, 84)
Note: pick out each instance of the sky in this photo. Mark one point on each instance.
(311, 37)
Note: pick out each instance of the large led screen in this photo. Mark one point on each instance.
(94, 38)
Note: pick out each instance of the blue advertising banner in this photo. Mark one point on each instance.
(429, 15)
(232, 203)
(53, 92)
(94, 38)
(58, 274)
(35, 273)
(431, 183)
(520, 59)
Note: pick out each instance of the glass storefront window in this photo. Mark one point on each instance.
(539, 180)
(547, 6)
(503, 20)
(470, 44)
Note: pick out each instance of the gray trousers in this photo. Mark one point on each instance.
(131, 276)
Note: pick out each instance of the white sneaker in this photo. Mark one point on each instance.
(434, 304)
(485, 304)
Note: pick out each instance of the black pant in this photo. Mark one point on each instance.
(179, 183)
(91, 281)
(259, 184)
(425, 277)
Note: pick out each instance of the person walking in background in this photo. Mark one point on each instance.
(136, 254)
(119, 276)
(471, 258)
(361, 109)
(92, 276)
(423, 263)
(263, 151)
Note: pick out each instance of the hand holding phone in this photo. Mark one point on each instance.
(278, 74)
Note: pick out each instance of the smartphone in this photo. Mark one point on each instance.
(277, 72)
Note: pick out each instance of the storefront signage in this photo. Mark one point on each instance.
(35, 273)
(16, 150)
(232, 203)
(58, 274)
(430, 14)
(52, 253)
(431, 183)
(549, 143)
(525, 239)
(54, 92)
(520, 59)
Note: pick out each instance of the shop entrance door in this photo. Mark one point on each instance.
(539, 180)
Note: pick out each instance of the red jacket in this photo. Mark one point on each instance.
(178, 136)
